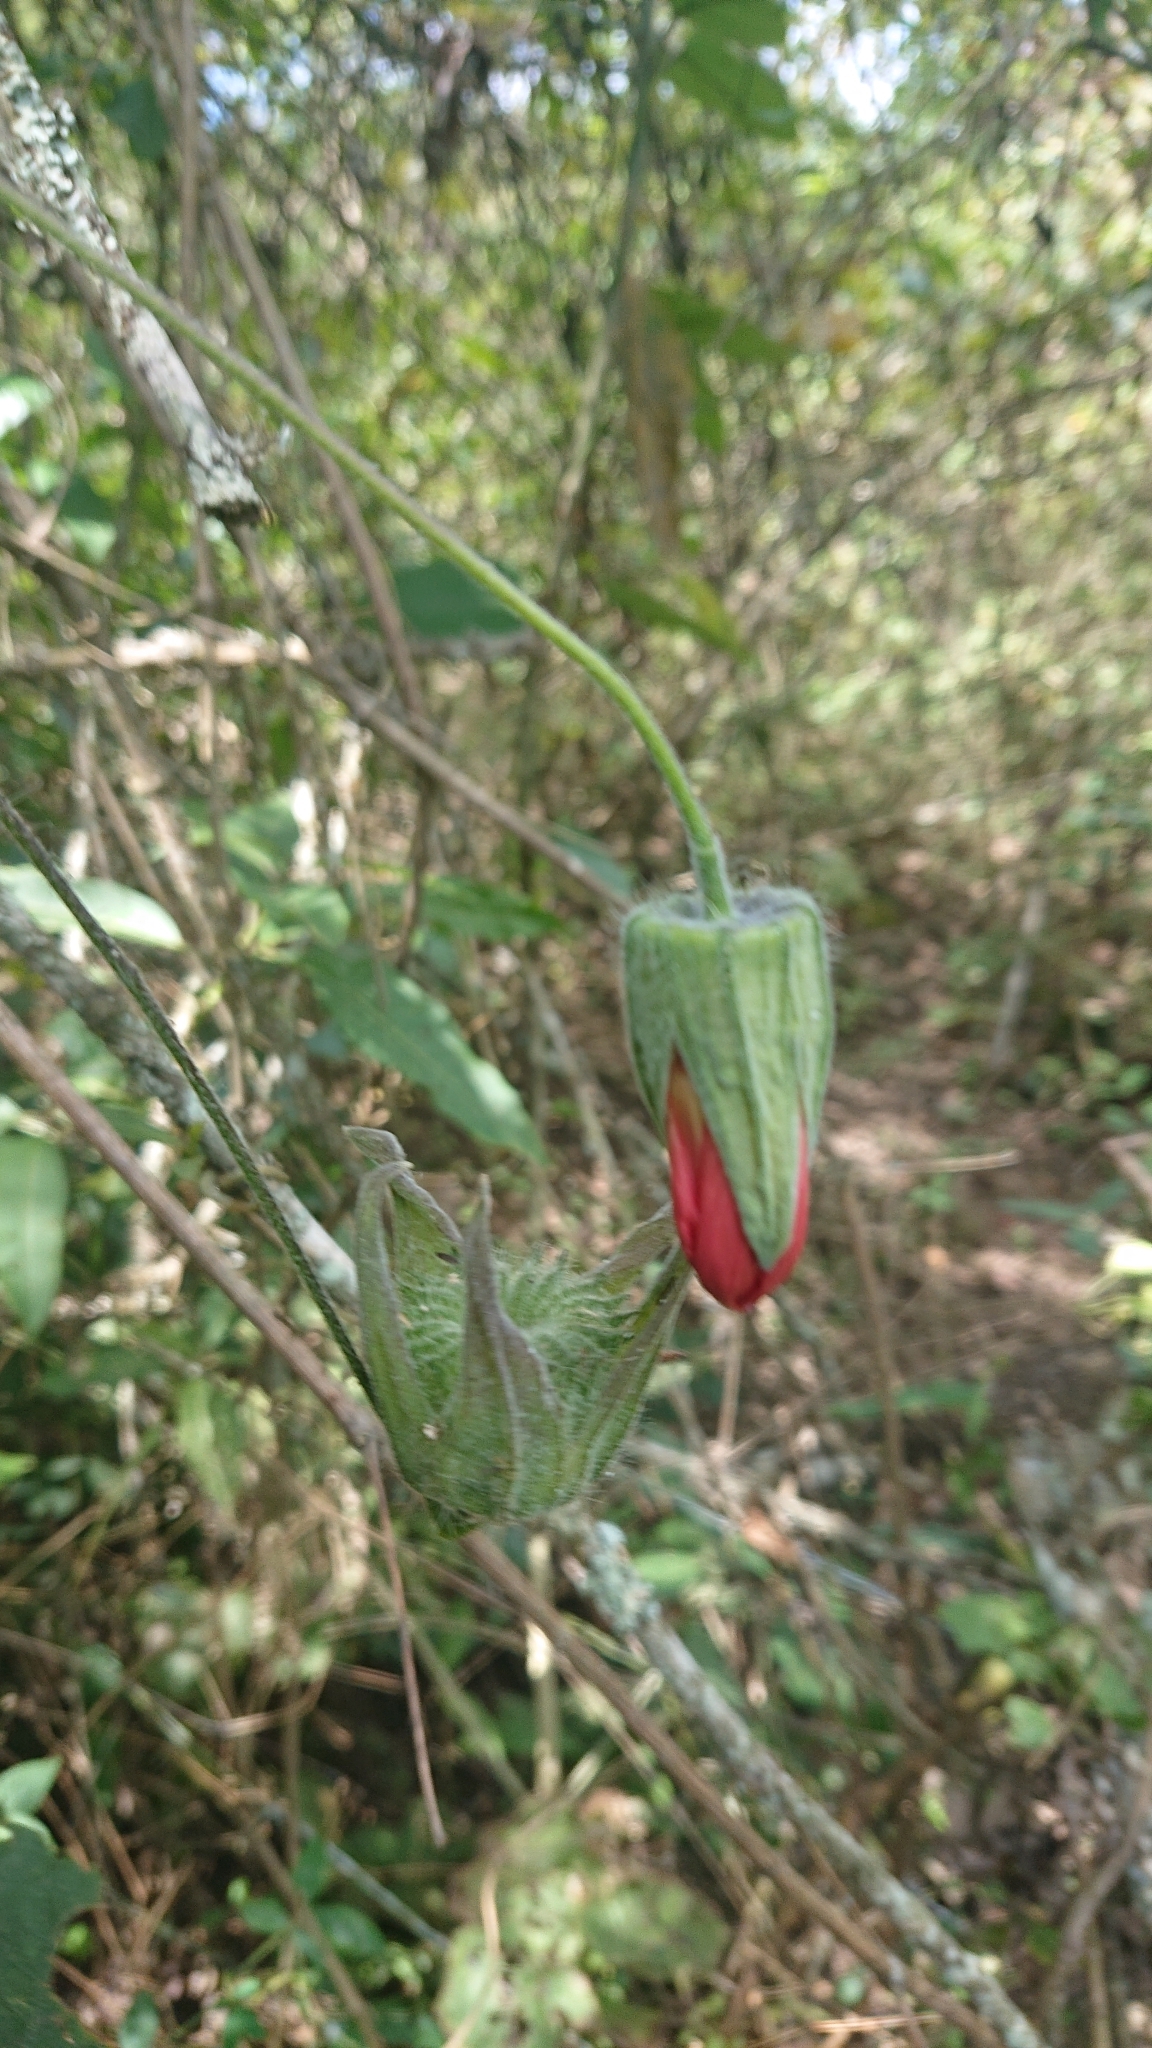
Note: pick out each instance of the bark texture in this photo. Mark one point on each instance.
(39, 155)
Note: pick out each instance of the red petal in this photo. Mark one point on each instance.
(707, 1218)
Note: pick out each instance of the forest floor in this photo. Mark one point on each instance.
(940, 1628)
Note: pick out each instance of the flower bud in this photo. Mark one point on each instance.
(505, 1384)
(731, 1023)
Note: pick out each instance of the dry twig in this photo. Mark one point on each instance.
(1082, 1915)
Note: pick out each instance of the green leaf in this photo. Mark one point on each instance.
(851, 1987)
(460, 908)
(241, 2026)
(802, 1684)
(312, 1871)
(39, 1893)
(440, 602)
(138, 112)
(1112, 1696)
(670, 1571)
(301, 910)
(140, 2024)
(33, 1205)
(125, 913)
(261, 836)
(14, 1465)
(480, 910)
(707, 418)
(1044, 1943)
(265, 1916)
(25, 1787)
(100, 1669)
(351, 1932)
(419, 1036)
(746, 344)
(596, 857)
(710, 621)
(1030, 1726)
(935, 1397)
(656, 1928)
(699, 611)
(89, 518)
(994, 1623)
(753, 24)
(20, 397)
(133, 1125)
(750, 97)
(99, 353)
(210, 1434)
(690, 313)
(260, 840)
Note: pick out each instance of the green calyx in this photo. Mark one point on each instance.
(505, 1384)
(746, 1001)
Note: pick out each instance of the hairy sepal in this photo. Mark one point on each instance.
(505, 1385)
(746, 1003)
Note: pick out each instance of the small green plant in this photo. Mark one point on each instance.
(569, 1937)
(39, 1893)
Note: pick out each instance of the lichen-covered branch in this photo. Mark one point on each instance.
(39, 154)
(630, 1609)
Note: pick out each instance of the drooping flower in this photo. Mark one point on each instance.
(731, 1024)
(704, 1207)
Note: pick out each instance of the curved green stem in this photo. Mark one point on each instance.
(706, 853)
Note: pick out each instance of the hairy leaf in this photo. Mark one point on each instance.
(39, 1893)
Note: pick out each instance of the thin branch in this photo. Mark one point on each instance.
(707, 855)
(541, 1666)
(189, 158)
(372, 566)
(480, 1737)
(1122, 1151)
(367, 710)
(1082, 1915)
(304, 1915)
(186, 645)
(576, 467)
(1018, 980)
(576, 1655)
(39, 154)
(42, 551)
(363, 1430)
(347, 1867)
(732, 1348)
(407, 1660)
(144, 779)
(358, 1422)
(884, 1361)
(126, 839)
(631, 1610)
(112, 1019)
(798, 1325)
(580, 1079)
(129, 976)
